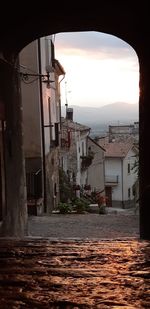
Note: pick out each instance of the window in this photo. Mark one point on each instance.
(129, 193)
(56, 134)
(55, 189)
(62, 162)
(83, 149)
(49, 110)
(128, 168)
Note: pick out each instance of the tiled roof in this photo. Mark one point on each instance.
(75, 126)
(117, 150)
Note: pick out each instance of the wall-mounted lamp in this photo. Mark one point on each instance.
(45, 78)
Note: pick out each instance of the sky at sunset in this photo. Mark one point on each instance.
(100, 69)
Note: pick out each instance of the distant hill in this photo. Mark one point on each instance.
(115, 113)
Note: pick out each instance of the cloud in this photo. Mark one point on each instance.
(100, 68)
(99, 45)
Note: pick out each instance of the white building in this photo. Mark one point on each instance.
(120, 176)
(95, 177)
(124, 132)
(40, 89)
(74, 149)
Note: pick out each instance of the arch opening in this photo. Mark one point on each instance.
(111, 19)
(102, 53)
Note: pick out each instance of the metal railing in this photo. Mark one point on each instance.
(112, 179)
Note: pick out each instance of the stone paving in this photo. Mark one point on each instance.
(117, 223)
(74, 274)
(77, 261)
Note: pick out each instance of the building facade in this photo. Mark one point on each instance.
(96, 176)
(40, 88)
(120, 176)
(124, 132)
(74, 151)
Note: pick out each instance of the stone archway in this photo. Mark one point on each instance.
(24, 26)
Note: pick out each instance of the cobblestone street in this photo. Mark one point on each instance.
(74, 274)
(115, 224)
(86, 261)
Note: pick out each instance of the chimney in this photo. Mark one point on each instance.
(69, 113)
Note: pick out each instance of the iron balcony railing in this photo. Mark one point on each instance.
(86, 161)
(114, 179)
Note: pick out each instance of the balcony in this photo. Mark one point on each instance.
(111, 180)
(86, 161)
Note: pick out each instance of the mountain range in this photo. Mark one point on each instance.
(111, 114)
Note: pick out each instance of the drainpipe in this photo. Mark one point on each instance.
(122, 183)
(103, 158)
(60, 100)
(42, 126)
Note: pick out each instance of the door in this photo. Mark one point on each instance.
(108, 192)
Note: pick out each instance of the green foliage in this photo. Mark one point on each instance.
(65, 187)
(64, 208)
(80, 205)
(86, 203)
(86, 161)
(135, 167)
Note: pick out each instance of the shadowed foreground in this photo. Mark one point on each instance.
(41, 273)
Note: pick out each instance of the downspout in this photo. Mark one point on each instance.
(87, 150)
(60, 130)
(60, 101)
(104, 190)
(42, 126)
(122, 184)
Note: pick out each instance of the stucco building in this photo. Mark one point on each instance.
(41, 75)
(95, 173)
(124, 132)
(120, 176)
(74, 151)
